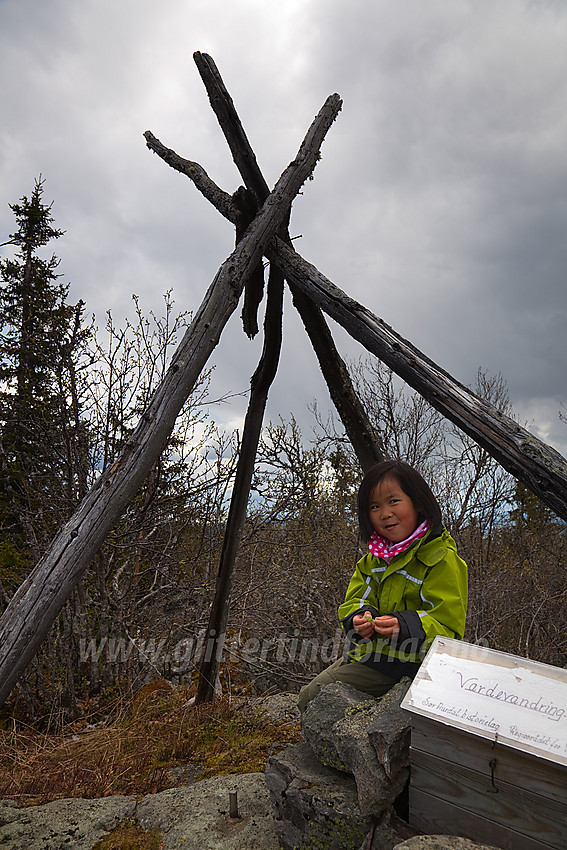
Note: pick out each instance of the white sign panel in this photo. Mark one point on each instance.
(503, 697)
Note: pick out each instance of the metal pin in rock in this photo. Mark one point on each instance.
(233, 799)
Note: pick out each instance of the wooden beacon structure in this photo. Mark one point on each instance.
(260, 216)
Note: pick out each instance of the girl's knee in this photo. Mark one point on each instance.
(309, 691)
(306, 694)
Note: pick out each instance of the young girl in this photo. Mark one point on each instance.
(410, 586)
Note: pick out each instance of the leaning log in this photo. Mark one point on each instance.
(262, 379)
(35, 606)
(532, 461)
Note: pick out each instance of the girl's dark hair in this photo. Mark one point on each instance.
(412, 484)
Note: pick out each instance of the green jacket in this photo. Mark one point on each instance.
(424, 587)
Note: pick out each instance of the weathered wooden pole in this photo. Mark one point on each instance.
(338, 379)
(260, 384)
(363, 437)
(261, 381)
(35, 606)
(332, 366)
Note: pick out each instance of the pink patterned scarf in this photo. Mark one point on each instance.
(384, 548)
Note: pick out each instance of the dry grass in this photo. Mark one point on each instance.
(133, 753)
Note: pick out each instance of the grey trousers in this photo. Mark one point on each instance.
(360, 676)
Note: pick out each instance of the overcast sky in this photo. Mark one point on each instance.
(440, 201)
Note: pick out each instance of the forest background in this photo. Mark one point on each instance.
(70, 396)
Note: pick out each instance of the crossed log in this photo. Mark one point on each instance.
(31, 612)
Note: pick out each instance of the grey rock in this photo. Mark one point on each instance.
(199, 816)
(390, 730)
(188, 818)
(442, 842)
(321, 715)
(315, 806)
(376, 791)
(76, 824)
(281, 708)
(337, 725)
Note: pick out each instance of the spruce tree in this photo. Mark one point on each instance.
(40, 427)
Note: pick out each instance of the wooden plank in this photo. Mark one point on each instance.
(513, 808)
(493, 788)
(494, 695)
(431, 815)
(524, 770)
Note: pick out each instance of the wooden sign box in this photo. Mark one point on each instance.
(489, 747)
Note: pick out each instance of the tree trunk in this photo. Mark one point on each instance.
(36, 604)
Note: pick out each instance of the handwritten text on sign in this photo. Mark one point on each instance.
(517, 701)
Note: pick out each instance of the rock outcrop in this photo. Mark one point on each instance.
(337, 790)
(315, 806)
(62, 823)
(331, 790)
(191, 817)
(301, 802)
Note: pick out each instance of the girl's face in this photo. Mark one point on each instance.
(392, 512)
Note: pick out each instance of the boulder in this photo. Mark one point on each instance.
(376, 791)
(315, 806)
(281, 708)
(390, 731)
(364, 736)
(319, 719)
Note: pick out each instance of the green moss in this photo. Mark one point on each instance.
(129, 835)
(339, 832)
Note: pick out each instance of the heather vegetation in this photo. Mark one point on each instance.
(70, 396)
(142, 746)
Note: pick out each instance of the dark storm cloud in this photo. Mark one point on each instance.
(454, 191)
(439, 201)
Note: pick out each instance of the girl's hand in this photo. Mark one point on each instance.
(363, 624)
(387, 626)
